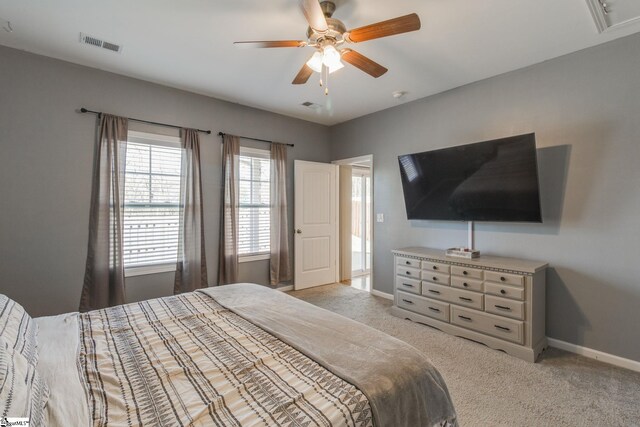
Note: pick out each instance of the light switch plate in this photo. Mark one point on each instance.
(380, 217)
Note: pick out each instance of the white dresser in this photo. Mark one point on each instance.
(497, 301)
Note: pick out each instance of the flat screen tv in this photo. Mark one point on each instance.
(487, 181)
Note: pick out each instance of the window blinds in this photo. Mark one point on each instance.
(254, 203)
(152, 204)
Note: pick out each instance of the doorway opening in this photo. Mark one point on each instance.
(360, 221)
(356, 221)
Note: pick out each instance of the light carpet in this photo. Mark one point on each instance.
(491, 388)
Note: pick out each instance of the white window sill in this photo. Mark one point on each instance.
(149, 269)
(253, 257)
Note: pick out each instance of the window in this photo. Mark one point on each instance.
(151, 203)
(254, 204)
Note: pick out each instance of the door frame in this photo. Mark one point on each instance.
(351, 161)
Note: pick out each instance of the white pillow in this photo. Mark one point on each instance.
(18, 329)
(23, 394)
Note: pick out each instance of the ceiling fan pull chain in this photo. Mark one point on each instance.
(326, 81)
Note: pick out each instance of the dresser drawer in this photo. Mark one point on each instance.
(432, 276)
(464, 283)
(413, 273)
(511, 330)
(436, 267)
(452, 295)
(428, 307)
(410, 301)
(467, 298)
(504, 307)
(437, 310)
(504, 291)
(408, 262)
(432, 290)
(408, 285)
(504, 278)
(473, 273)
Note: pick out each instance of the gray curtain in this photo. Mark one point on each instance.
(280, 266)
(191, 269)
(228, 246)
(104, 273)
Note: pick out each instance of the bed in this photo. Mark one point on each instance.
(241, 355)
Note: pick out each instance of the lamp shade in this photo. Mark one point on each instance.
(331, 57)
(315, 63)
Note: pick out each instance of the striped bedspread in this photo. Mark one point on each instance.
(186, 360)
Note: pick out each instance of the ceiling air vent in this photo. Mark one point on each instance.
(613, 14)
(311, 105)
(94, 41)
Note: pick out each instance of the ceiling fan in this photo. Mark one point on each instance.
(327, 35)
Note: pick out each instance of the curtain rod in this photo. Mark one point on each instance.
(222, 134)
(99, 113)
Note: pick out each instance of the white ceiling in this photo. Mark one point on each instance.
(188, 44)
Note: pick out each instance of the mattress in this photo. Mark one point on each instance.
(240, 355)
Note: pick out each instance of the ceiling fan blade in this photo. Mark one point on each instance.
(303, 75)
(362, 62)
(273, 43)
(403, 24)
(313, 12)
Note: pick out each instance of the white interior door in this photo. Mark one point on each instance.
(315, 223)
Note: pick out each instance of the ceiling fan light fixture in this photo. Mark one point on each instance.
(335, 67)
(315, 63)
(331, 57)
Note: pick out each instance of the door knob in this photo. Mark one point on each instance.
(298, 231)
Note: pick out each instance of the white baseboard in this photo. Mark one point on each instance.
(382, 294)
(285, 288)
(632, 365)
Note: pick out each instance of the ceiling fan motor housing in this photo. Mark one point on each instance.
(336, 27)
(328, 7)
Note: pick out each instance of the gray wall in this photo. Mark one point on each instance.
(585, 111)
(584, 108)
(46, 155)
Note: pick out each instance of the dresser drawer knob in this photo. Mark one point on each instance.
(466, 299)
(408, 262)
(434, 309)
(433, 291)
(435, 279)
(502, 328)
(465, 284)
(435, 267)
(502, 307)
(408, 273)
(503, 292)
(504, 279)
(468, 319)
(408, 301)
(465, 272)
